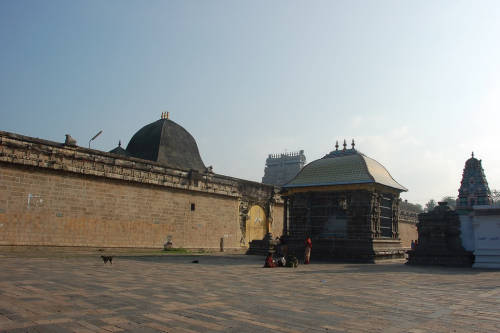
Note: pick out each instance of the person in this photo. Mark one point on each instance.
(281, 261)
(269, 263)
(307, 255)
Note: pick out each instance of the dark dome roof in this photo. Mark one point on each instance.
(168, 143)
(119, 150)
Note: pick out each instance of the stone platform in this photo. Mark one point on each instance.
(74, 291)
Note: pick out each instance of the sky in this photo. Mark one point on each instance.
(416, 84)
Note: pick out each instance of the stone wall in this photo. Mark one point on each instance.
(408, 218)
(52, 194)
(407, 233)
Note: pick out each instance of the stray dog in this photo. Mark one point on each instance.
(107, 258)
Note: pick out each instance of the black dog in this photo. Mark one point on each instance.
(107, 258)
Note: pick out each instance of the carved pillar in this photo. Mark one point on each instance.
(375, 215)
(243, 210)
(285, 215)
(307, 231)
(395, 218)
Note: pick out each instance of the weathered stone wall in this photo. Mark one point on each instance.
(408, 218)
(407, 233)
(51, 194)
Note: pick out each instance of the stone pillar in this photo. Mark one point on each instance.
(395, 218)
(285, 216)
(375, 215)
(307, 228)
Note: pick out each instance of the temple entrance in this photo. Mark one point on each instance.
(256, 224)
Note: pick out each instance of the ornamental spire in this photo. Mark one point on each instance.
(345, 145)
(352, 144)
(337, 145)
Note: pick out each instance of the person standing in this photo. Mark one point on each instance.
(307, 255)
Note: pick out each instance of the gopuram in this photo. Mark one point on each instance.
(469, 235)
(479, 217)
(348, 204)
(474, 189)
(281, 168)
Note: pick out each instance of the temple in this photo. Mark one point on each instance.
(157, 190)
(474, 189)
(281, 168)
(348, 204)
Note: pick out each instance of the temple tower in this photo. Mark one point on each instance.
(474, 188)
(281, 168)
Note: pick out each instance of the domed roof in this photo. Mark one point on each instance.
(119, 150)
(166, 142)
(342, 167)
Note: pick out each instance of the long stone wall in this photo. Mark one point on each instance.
(52, 194)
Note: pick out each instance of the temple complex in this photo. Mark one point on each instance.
(157, 189)
(348, 204)
(467, 236)
(281, 168)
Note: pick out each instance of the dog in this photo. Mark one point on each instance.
(105, 259)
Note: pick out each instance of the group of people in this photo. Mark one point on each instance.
(281, 258)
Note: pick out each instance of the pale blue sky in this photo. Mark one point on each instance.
(415, 83)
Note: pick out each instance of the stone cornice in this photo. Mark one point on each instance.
(22, 150)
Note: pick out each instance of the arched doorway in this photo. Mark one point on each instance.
(256, 224)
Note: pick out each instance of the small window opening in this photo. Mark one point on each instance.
(192, 206)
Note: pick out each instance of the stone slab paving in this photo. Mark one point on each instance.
(233, 293)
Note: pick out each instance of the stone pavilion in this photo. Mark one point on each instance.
(348, 204)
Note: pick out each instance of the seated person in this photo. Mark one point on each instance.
(269, 261)
(281, 261)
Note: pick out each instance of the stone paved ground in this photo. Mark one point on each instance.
(232, 293)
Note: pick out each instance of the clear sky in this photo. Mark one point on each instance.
(415, 83)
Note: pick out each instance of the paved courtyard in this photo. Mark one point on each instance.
(76, 292)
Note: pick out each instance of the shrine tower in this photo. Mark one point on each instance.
(474, 189)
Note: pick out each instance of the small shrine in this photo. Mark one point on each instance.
(348, 204)
(439, 239)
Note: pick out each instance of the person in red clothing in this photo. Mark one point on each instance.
(307, 255)
(269, 261)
